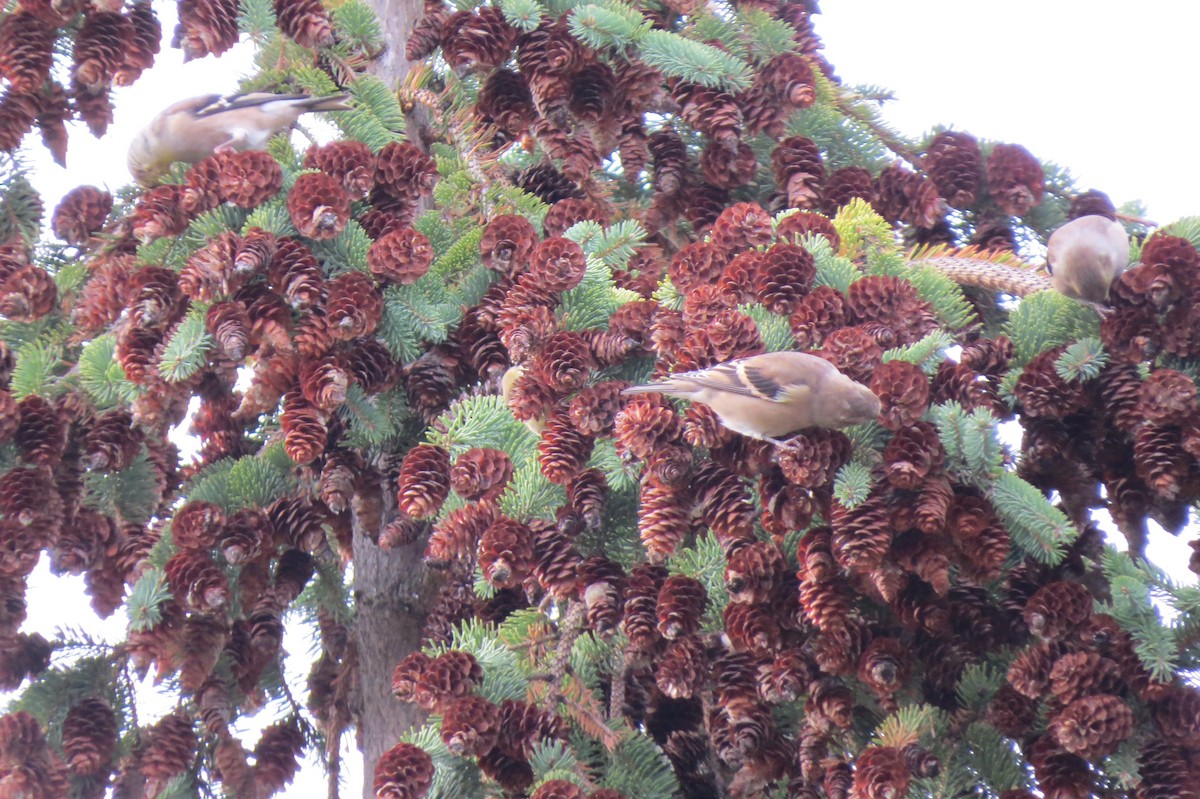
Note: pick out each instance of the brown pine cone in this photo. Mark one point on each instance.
(477, 41)
(712, 111)
(426, 35)
(881, 772)
(663, 519)
(601, 584)
(639, 621)
(318, 205)
(507, 243)
(1079, 674)
(26, 51)
(784, 277)
(447, 678)
(563, 451)
(197, 525)
(547, 183)
(812, 458)
(169, 751)
(81, 213)
(100, 48)
(89, 736)
(401, 256)
(681, 603)
(1043, 393)
(470, 726)
(403, 772)
(404, 172)
(556, 265)
(113, 442)
(913, 454)
(1092, 727)
(304, 431)
(17, 114)
(799, 171)
(305, 21)
(1175, 716)
(1167, 397)
(1015, 179)
(955, 163)
(28, 294)
(481, 474)
(250, 178)
(143, 47)
(41, 435)
(845, 184)
(424, 481)
(506, 552)
(861, 536)
(506, 104)
(819, 313)
(1011, 713)
(196, 580)
(206, 27)
(354, 307)
(351, 162)
(682, 668)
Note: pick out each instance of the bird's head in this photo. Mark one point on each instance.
(144, 166)
(860, 406)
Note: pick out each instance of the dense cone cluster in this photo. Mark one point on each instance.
(112, 45)
(379, 345)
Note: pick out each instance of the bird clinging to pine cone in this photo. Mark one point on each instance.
(768, 396)
(193, 129)
(1085, 256)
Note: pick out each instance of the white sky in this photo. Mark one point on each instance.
(1096, 87)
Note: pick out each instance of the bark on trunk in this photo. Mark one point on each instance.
(393, 590)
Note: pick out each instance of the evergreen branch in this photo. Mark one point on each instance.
(604, 25)
(524, 15)
(694, 62)
(1082, 361)
(1038, 527)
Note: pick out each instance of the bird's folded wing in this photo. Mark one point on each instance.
(235, 102)
(737, 378)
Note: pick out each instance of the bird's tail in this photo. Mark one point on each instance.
(672, 387)
(330, 102)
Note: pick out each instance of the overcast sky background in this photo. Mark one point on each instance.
(1094, 87)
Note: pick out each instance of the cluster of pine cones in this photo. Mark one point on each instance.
(878, 606)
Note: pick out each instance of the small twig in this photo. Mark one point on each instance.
(569, 631)
(333, 762)
(616, 695)
(1135, 220)
(890, 140)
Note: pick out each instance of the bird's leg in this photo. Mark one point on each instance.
(231, 145)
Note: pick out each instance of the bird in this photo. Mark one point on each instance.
(1085, 256)
(193, 129)
(770, 395)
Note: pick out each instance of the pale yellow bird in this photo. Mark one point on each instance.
(1085, 256)
(193, 129)
(768, 396)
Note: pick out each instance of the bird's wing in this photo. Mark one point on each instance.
(235, 102)
(726, 377)
(772, 377)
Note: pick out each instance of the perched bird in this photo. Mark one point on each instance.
(1085, 256)
(193, 129)
(770, 395)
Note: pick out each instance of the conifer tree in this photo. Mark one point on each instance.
(402, 352)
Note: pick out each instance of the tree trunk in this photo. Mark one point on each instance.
(393, 590)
